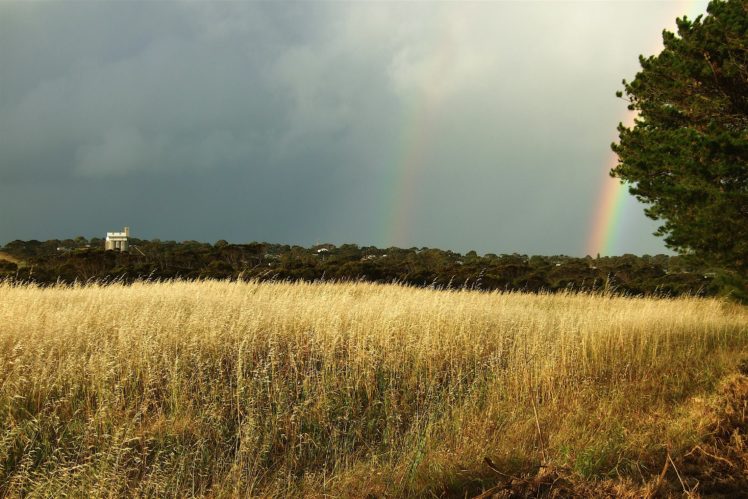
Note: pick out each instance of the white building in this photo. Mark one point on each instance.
(118, 240)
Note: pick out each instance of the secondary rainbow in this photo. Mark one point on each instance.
(605, 233)
(416, 140)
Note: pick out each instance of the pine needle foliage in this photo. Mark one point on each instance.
(687, 154)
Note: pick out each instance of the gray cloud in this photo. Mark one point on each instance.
(290, 122)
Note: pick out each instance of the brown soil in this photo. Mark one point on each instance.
(716, 468)
(9, 258)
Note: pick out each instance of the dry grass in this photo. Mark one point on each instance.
(278, 389)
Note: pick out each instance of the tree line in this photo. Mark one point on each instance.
(82, 260)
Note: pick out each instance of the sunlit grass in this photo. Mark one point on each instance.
(216, 388)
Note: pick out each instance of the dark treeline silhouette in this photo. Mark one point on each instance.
(81, 260)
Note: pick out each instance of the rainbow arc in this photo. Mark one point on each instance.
(606, 230)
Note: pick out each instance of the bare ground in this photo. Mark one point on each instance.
(716, 468)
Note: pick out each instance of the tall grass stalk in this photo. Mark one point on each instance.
(277, 389)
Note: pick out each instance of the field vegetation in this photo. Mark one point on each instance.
(230, 389)
(84, 260)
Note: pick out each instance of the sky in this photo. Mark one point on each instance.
(458, 125)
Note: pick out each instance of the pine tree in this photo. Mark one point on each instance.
(686, 155)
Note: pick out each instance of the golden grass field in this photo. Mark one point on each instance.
(276, 389)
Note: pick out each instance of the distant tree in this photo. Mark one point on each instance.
(686, 155)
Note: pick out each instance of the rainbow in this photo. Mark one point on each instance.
(416, 141)
(606, 223)
(606, 231)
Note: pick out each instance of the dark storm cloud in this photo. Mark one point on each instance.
(124, 100)
(289, 122)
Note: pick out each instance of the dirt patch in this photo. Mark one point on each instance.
(9, 258)
(717, 467)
